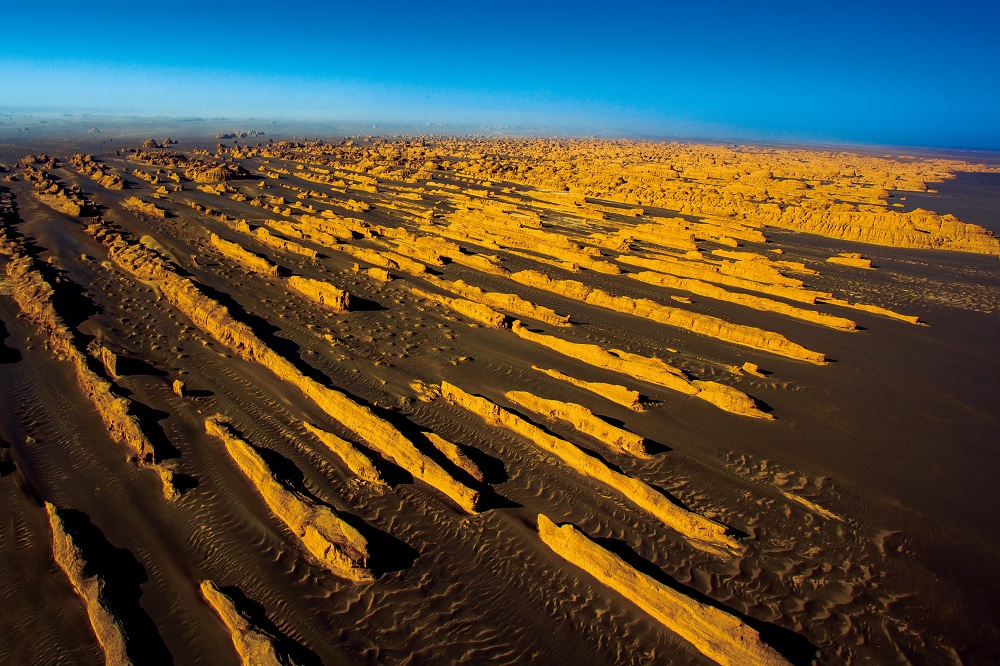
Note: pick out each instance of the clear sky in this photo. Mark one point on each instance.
(903, 73)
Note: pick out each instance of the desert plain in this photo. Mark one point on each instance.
(426, 400)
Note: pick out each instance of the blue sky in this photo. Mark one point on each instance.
(911, 73)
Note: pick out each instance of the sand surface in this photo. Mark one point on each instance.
(863, 508)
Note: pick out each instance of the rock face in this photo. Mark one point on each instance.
(700, 531)
(267, 238)
(718, 635)
(333, 542)
(583, 420)
(213, 318)
(89, 588)
(323, 293)
(248, 259)
(354, 459)
(255, 646)
(453, 453)
(507, 302)
(144, 207)
(476, 311)
(651, 370)
(612, 392)
(852, 259)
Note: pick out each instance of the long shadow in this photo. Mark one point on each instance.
(7, 465)
(7, 354)
(149, 420)
(122, 575)
(359, 304)
(135, 367)
(793, 647)
(289, 650)
(267, 332)
(653, 447)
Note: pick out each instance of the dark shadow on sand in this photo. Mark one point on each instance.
(123, 576)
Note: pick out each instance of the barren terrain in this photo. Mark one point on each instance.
(423, 401)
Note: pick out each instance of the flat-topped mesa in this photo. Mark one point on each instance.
(748, 336)
(255, 646)
(353, 458)
(267, 238)
(508, 302)
(337, 545)
(476, 311)
(35, 298)
(612, 392)
(144, 207)
(583, 420)
(455, 454)
(107, 627)
(720, 636)
(700, 531)
(708, 290)
(852, 259)
(323, 293)
(651, 370)
(242, 256)
(214, 319)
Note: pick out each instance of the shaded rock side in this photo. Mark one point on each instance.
(718, 635)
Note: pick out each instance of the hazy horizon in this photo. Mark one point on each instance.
(895, 75)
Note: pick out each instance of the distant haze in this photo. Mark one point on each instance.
(914, 73)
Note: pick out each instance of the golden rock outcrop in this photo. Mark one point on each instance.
(700, 531)
(508, 302)
(144, 207)
(337, 545)
(323, 293)
(612, 392)
(213, 318)
(852, 259)
(748, 336)
(89, 587)
(651, 370)
(455, 454)
(583, 420)
(353, 458)
(267, 238)
(720, 636)
(35, 298)
(476, 311)
(255, 646)
(241, 255)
